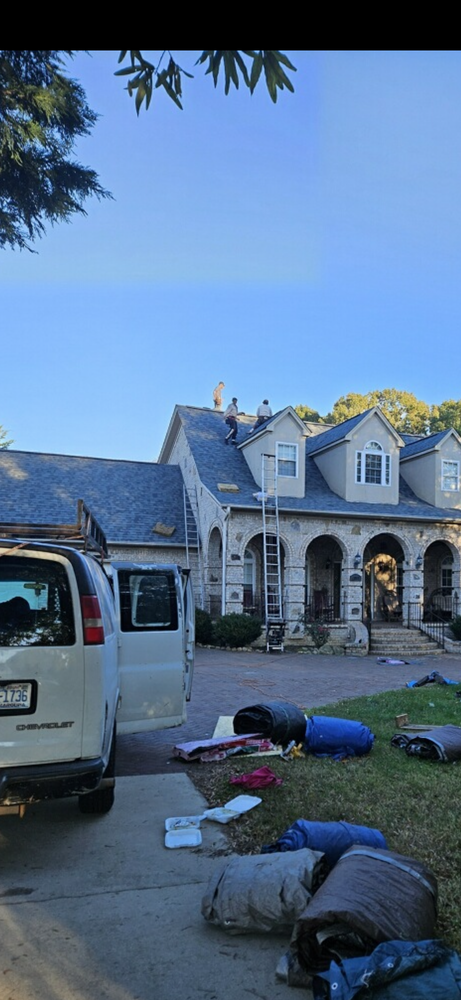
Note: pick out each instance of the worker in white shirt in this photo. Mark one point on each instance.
(262, 414)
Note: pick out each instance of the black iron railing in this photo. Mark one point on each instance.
(436, 627)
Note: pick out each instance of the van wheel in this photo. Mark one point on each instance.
(101, 800)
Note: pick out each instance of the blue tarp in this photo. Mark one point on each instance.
(421, 970)
(337, 738)
(330, 838)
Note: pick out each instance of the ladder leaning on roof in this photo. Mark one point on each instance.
(193, 539)
(275, 625)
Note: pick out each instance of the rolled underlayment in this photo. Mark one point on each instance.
(370, 896)
(442, 743)
(279, 721)
(333, 839)
(263, 893)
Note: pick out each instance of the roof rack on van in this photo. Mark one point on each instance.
(85, 534)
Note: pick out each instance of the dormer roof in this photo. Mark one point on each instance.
(427, 444)
(342, 432)
(271, 425)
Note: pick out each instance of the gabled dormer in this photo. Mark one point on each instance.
(359, 459)
(431, 467)
(283, 436)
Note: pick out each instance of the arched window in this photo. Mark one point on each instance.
(373, 465)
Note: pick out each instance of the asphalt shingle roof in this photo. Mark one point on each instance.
(424, 444)
(127, 498)
(218, 463)
(337, 433)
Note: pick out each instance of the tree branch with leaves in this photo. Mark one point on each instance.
(237, 65)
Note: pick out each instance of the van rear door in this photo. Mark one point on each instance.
(152, 646)
(41, 659)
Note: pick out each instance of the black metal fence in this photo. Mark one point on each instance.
(434, 625)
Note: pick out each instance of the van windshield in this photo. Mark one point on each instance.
(148, 601)
(35, 603)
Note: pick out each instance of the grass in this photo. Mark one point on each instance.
(415, 803)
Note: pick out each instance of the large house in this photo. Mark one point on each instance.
(369, 520)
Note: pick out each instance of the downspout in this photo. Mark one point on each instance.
(224, 559)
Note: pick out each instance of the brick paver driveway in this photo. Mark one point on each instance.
(226, 681)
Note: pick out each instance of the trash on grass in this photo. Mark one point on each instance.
(253, 893)
(261, 778)
(337, 738)
(330, 838)
(232, 809)
(368, 897)
(196, 749)
(442, 743)
(278, 721)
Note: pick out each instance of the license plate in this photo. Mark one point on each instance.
(15, 696)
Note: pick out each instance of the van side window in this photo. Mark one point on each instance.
(148, 601)
(35, 603)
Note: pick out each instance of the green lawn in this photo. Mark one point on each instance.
(415, 803)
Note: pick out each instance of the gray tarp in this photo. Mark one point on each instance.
(370, 896)
(441, 743)
(263, 892)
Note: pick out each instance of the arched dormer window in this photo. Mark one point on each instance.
(373, 465)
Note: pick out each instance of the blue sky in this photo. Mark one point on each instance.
(297, 252)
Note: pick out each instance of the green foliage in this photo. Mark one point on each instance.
(307, 413)
(146, 76)
(318, 632)
(4, 443)
(203, 627)
(42, 114)
(455, 626)
(412, 801)
(448, 414)
(403, 410)
(236, 630)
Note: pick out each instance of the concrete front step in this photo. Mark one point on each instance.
(403, 642)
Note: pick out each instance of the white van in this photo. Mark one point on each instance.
(86, 650)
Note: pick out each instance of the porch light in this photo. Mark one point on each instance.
(419, 561)
(357, 560)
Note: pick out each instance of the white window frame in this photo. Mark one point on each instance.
(372, 448)
(446, 573)
(450, 474)
(249, 569)
(280, 445)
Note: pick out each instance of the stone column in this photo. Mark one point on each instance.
(234, 581)
(413, 593)
(293, 596)
(352, 590)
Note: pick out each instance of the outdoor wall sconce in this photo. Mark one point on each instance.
(328, 564)
(419, 561)
(357, 560)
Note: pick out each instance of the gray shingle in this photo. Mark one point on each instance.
(218, 463)
(127, 498)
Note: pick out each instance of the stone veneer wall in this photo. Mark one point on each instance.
(297, 531)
